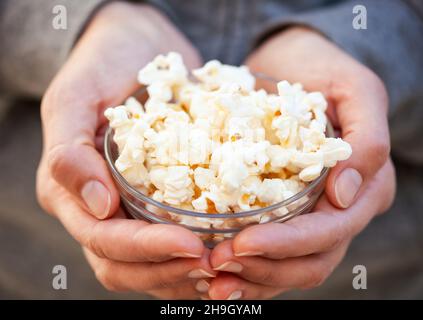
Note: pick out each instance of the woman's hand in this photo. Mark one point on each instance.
(357, 99)
(73, 182)
(265, 260)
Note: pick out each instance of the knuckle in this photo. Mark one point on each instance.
(379, 149)
(104, 274)
(153, 279)
(43, 189)
(52, 100)
(342, 230)
(46, 105)
(57, 159)
(43, 198)
(159, 280)
(376, 83)
(92, 243)
(389, 188)
(342, 90)
(42, 195)
(266, 277)
(338, 237)
(315, 278)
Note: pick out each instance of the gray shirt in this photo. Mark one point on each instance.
(392, 45)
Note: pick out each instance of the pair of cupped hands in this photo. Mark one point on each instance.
(171, 262)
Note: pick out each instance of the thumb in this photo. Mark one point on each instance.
(83, 172)
(364, 125)
(73, 161)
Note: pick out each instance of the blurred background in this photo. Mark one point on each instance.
(32, 242)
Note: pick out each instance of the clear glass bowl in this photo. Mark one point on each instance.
(221, 226)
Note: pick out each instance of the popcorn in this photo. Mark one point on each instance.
(279, 157)
(335, 149)
(120, 120)
(214, 75)
(286, 128)
(169, 70)
(217, 145)
(204, 178)
(134, 107)
(174, 182)
(248, 128)
(160, 91)
(271, 191)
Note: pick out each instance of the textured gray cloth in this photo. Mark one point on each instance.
(33, 51)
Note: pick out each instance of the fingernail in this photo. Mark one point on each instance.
(202, 286)
(249, 254)
(230, 267)
(185, 255)
(97, 198)
(346, 186)
(236, 295)
(200, 273)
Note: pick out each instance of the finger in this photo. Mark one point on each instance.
(363, 119)
(231, 287)
(301, 272)
(141, 277)
(124, 239)
(303, 235)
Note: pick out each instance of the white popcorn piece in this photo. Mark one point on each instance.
(158, 196)
(204, 178)
(232, 173)
(200, 204)
(249, 190)
(214, 74)
(175, 183)
(168, 69)
(335, 149)
(136, 175)
(196, 222)
(221, 200)
(312, 137)
(271, 191)
(247, 128)
(160, 91)
(286, 130)
(204, 107)
(255, 155)
(134, 107)
(235, 102)
(121, 121)
(311, 172)
(279, 156)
